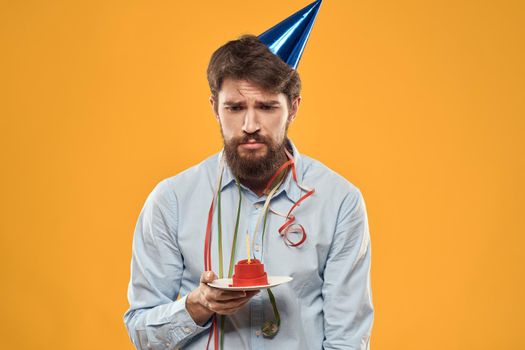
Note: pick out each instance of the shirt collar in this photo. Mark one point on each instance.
(293, 192)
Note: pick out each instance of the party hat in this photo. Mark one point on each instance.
(288, 38)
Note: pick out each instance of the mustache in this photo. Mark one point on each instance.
(250, 137)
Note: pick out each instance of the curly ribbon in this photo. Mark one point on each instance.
(289, 227)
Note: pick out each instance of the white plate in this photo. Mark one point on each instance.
(224, 283)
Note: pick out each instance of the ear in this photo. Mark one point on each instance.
(294, 109)
(214, 108)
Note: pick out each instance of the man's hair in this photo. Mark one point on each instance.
(247, 58)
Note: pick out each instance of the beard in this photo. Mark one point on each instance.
(250, 165)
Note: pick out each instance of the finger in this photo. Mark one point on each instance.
(228, 295)
(224, 309)
(218, 305)
(222, 294)
(231, 310)
(208, 276)
(252, 293)
(214, 294)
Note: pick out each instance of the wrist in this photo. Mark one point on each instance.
(198, 312)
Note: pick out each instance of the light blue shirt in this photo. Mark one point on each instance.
(327, 305)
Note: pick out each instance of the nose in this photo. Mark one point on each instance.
(251, 123)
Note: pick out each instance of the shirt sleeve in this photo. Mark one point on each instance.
(155, 318)
(348, 310)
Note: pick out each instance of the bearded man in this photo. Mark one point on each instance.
(324, 245)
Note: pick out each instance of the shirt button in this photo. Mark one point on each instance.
(186, 330)
(257, 333)
(258, 205)
(257, 247)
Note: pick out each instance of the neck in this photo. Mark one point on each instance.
(256, 186)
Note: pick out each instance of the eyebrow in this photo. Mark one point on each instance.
(232, 103)
(238, 103)
(269, 103)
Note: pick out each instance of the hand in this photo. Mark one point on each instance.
(204, 301)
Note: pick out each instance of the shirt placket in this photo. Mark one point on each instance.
(256, 304)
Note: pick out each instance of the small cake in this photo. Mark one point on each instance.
(249, 274)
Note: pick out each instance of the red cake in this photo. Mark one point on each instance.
(249, 274)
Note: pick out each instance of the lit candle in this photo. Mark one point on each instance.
(248, 246)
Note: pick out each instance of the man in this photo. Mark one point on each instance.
(327, 305)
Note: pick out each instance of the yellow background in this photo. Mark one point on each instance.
(418, 103)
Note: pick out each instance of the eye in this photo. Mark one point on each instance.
(267, 107)
(234, 108)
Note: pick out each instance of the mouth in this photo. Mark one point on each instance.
(252, 144)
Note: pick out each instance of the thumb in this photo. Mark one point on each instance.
(208, 276)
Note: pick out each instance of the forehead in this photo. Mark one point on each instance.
(243, 90)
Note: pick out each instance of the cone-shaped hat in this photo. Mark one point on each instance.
(288, 38)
